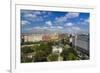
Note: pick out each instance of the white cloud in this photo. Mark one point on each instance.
(72, 14)
(52, 27)
(49, 23)
(33, 28)
(37, 27)
(69, 24)
(33, 15)
(84, 21)
(37, 12)
(62, 19)
(30, 16)
(46, 14)
(24, 22)
(31, 12)
(73, 29)
(76, 29)
(87, 20)
(59, 27)
(45, 27)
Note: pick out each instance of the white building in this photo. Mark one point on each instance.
(57, 49)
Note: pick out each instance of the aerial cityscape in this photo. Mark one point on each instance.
(48, 36)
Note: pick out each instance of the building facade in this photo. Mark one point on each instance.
(32, 37)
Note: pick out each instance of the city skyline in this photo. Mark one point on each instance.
(54, 21)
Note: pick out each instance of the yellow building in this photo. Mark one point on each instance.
(54, 36)
(33, 38)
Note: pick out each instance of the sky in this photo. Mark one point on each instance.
(54, 21)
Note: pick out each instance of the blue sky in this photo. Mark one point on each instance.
(66, 22)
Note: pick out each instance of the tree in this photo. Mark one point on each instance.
(27, 49)
(52, 57)
(71, 50)
(40, 56)
(64, 54)
(24, 53)
(71, 56)
(67, 52)
(44, 47)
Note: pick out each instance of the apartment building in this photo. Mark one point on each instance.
(82, 42)
(32, 37)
